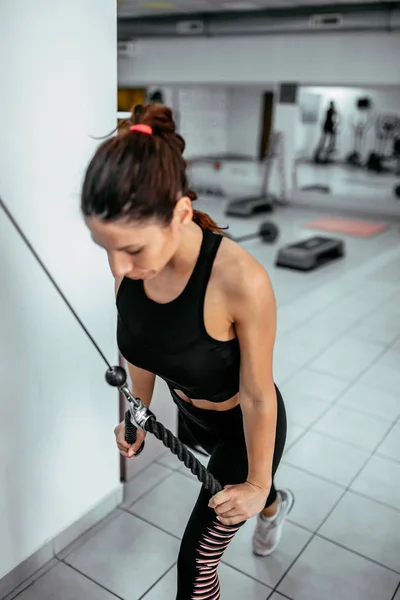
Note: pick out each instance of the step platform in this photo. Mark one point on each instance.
(247, 207)
(310, 254)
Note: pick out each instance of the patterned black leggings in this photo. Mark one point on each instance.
(205, 539)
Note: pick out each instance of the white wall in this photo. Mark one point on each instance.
(324, 59)
(244, 122)
(57, 453)
(202, 119)
(384, 101)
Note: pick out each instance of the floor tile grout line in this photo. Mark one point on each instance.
(348, 488)
(357, 409)
(281, 595)
(321, 312)
(310, 361)
(87, 535)
(165, 466)
(376, 562)
(365, 413)
(388, 458)
(269, 587)
(376, 501)
(132, 514)
(351, 444)
(123, 505)
(388, 433)
(395, 592)
(316, 532)
(60, 561)
(143, 597)
(340, 545)
(348, 293)
(90, 579)
(342, 486)
(64, 553)
(24, 585)
(346, 389)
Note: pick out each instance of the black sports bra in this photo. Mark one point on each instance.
(171, 340)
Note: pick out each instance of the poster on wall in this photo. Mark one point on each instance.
(310, 105)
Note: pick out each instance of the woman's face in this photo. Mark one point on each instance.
(140, 250)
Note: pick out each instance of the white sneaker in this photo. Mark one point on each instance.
(269, 531)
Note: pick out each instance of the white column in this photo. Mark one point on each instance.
(286, 120)
(58, 65)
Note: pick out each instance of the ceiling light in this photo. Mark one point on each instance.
(240, 5)
(158, 5)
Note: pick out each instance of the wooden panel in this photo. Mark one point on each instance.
(268, 107)
(129, 97)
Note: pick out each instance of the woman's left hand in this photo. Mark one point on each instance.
(238, 503)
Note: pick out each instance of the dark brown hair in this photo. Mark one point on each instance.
(138, 176)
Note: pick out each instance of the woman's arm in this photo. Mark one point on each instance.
(255, 322)
(142, 381)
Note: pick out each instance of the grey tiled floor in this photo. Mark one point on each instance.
(337, 363)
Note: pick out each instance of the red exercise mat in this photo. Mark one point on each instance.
(358, 228)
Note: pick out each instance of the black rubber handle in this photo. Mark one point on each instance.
(131, 431)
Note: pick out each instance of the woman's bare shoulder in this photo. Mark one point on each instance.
(233, 260)
(238, 272)
(117, 283)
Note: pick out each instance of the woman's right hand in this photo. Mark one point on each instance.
(128, 450)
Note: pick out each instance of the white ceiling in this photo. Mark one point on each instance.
(141, 8)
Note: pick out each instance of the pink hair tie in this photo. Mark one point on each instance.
(142, 128)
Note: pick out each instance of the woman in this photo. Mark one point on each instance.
(329, 130)
(197, 310)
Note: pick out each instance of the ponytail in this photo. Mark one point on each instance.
(202, 219)
(205, 221)
(137, 175)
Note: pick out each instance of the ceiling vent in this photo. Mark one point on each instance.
(327, 21)
(190, 27)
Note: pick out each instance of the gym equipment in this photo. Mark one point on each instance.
(264, 202)
(210, 191)
(216, 161)
(362, 121)
(387, 127)
(310, 254)
(316, 187)
(138, 415)
(248, 207)
(268, 232)
(396, 153)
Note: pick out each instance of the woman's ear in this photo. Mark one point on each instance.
(183, 211)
